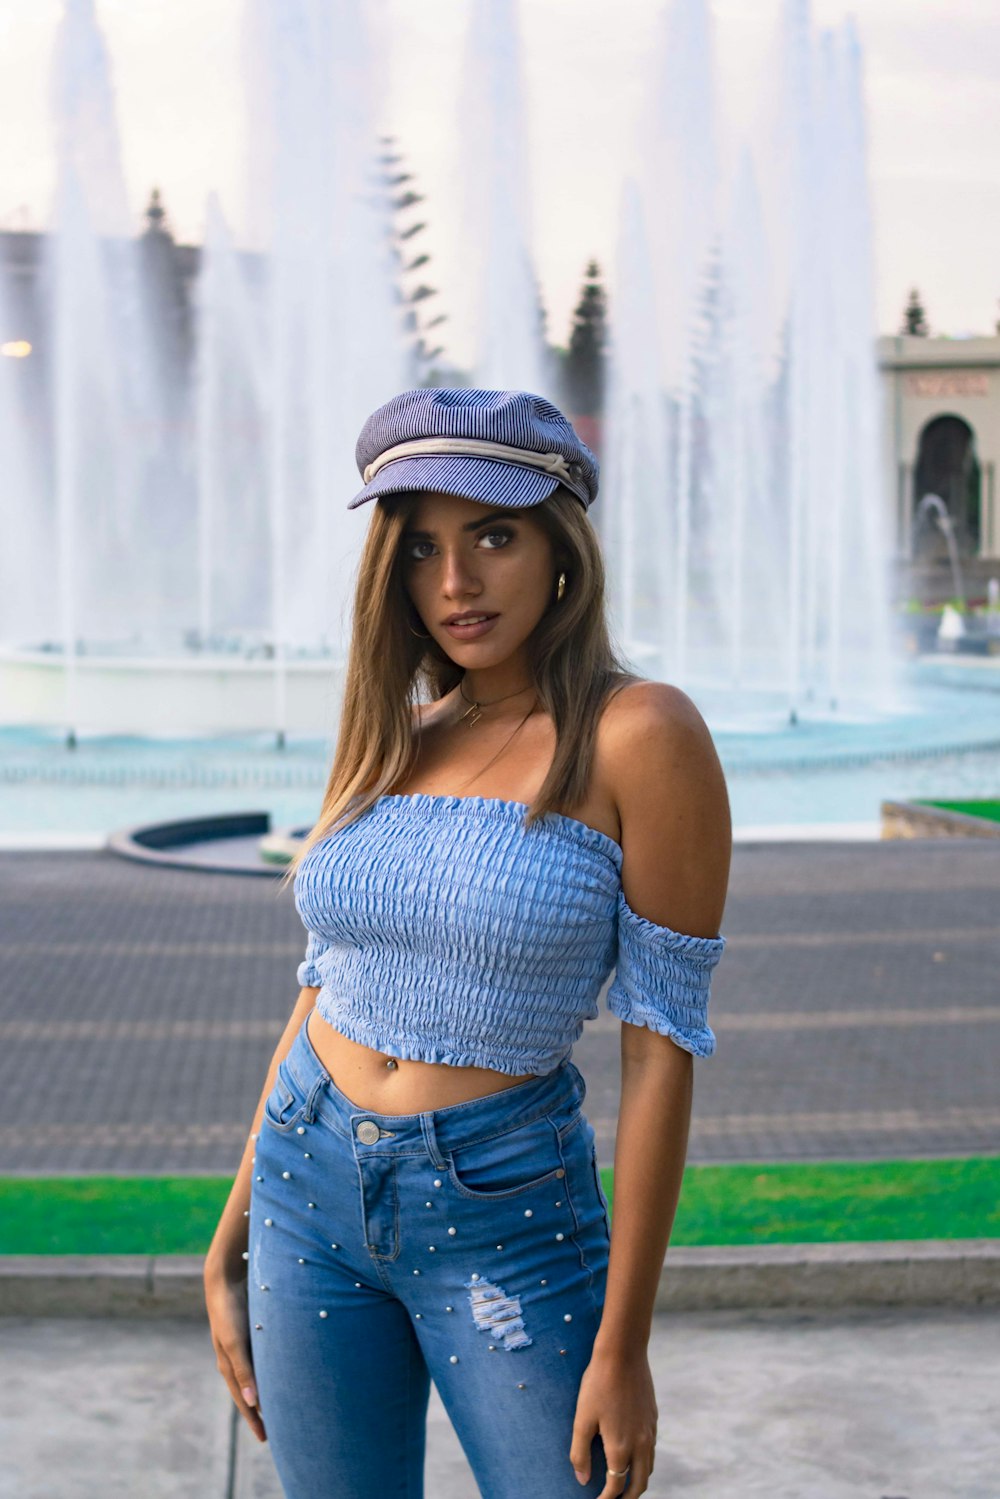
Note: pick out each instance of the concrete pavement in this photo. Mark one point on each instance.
(805, 1405)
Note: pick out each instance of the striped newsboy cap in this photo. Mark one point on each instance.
(502, 446)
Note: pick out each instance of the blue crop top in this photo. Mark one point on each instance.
(442, 930)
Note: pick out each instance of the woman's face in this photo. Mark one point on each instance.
(465, 557)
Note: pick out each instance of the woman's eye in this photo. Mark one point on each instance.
(497, 538)
(503, 532)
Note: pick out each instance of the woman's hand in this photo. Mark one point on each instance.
(229, 1319)
(616, 1399)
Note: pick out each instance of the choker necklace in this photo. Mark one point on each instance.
(474, 712)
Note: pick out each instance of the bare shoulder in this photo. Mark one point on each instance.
(660, 765)
(652, 726)
(643, 700)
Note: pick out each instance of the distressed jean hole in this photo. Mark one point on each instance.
(498, 1314)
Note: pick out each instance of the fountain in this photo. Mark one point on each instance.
(502, 306)
(201, 573)
(934, 505)
(744, 525)
(202, 563)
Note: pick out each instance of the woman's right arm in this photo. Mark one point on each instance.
(225, 1269)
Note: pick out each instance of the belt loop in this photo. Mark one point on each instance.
(430, 1140)
(318, 1085)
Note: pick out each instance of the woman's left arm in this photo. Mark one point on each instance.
(661, 765)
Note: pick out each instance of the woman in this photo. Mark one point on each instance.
(419, 1194)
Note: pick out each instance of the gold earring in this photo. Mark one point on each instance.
(561, 586)
(419, 633)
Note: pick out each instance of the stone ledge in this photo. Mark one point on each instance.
(919, 1272)
(915, 820)
(901, 1272)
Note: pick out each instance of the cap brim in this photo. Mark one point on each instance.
(470, 478)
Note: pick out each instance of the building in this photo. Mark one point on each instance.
(941, 438)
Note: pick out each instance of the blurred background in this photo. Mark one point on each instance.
(749, 250)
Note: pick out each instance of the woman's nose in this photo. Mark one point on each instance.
(457, 576)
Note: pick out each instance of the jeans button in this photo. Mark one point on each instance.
(367, 1132)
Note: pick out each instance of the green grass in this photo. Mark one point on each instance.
(746, 1204)
(988, 809)
(827, 1201)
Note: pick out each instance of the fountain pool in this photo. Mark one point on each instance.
(825, 777)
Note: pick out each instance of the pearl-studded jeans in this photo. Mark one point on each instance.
(467, 1244)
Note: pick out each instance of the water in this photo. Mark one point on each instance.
(500, 294)
(332, 332)
(181, 491)
(175, 482)
(744, 528)
(830, 773)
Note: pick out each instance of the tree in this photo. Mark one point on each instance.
(424, 354)
(914, 317)
(584, 365)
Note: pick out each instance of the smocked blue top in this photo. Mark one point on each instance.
(442, 930)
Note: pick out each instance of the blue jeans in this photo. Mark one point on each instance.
(467, 1244)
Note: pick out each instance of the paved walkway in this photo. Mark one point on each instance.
(857, 1010)
(863, 1406)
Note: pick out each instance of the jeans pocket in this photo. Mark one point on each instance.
(285, 1104)
(509, 1164)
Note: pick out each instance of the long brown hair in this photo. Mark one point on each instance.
(575, 666)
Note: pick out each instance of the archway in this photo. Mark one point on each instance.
(946, 466)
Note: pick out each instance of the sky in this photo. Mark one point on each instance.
(932, 84)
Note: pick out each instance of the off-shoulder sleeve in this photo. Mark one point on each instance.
(308, 972)
(663, 980)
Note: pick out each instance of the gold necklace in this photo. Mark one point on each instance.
(474, 712)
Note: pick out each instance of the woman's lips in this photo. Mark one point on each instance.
(472, 632)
